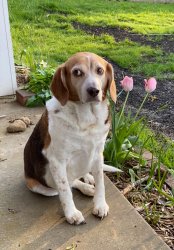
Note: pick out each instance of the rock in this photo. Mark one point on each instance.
(26, 120)
(16, 126)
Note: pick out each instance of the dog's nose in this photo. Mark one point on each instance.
(92, 91)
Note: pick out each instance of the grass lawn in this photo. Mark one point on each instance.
(45, 29)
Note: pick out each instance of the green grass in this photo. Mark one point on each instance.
(45, 29)
(146, 22)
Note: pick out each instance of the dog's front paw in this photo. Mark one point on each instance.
(101, 210)
(75, 217)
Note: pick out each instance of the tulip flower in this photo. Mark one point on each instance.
(150, 85)
(127, 83)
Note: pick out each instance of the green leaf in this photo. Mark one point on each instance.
(133, 175)
(34, 101)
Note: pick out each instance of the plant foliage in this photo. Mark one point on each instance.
(39, 84)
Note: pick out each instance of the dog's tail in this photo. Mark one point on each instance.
(36, 187)
(111, 169)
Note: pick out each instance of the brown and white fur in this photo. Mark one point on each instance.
(68, 142)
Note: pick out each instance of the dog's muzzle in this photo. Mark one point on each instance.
(93, 92)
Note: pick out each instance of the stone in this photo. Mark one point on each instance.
(16, 126)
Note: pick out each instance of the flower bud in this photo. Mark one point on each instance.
(150, 85)
(127, 83)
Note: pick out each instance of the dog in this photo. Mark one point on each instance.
(68, 141)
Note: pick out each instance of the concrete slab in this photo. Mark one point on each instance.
(30, 221)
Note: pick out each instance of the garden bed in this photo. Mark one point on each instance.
(152, 206)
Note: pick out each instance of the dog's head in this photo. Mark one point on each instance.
(85, 77)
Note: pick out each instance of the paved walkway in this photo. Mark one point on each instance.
(30, 221)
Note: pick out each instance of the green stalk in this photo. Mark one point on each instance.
(120, 93)
(141, 106)
(123, 108)
(169, 197)
(163, 179)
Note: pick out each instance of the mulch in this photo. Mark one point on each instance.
(153, 207)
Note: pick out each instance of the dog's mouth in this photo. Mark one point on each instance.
(93, 99)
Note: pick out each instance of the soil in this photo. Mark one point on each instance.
(165, 42)
(163, 120)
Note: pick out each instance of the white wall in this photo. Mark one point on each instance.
(7, 72)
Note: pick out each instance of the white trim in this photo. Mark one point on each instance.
(8, 83)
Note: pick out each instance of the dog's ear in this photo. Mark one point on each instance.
(110, 82)
(59, 86)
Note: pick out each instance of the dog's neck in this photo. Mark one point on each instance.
(86, 114)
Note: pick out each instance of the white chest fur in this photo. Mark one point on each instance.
(78, 133)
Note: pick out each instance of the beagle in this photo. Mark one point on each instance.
(68, 141)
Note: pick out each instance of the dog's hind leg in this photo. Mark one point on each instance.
(85, 188)
(38, 188)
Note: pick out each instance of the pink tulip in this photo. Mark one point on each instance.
(127, 83)
(150, 85)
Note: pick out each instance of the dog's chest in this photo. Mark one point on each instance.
(77, 121)
(77, 134)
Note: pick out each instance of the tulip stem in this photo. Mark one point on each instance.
(123, 108)
(147, 94)
(120, 93)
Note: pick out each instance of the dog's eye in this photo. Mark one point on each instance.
(77, 73)
(100, 71)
